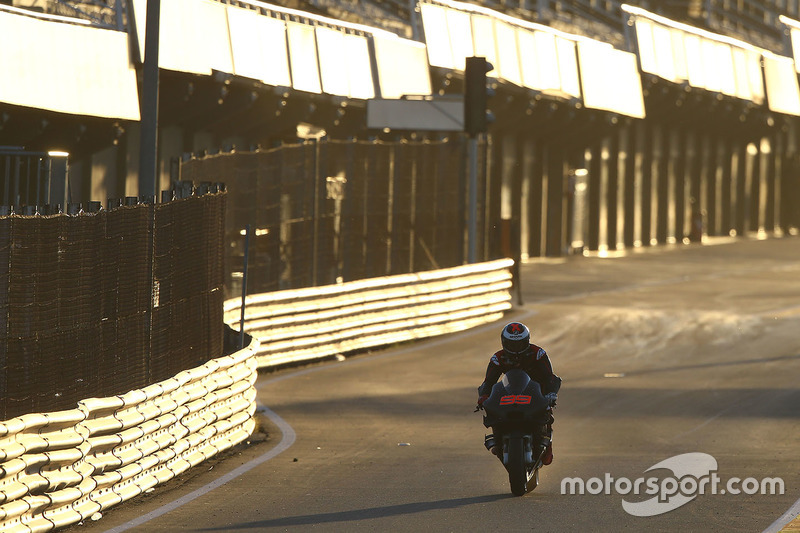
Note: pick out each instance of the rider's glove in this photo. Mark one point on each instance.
(551, 398)
(480, 402)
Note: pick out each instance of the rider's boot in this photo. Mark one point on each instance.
(547, 458)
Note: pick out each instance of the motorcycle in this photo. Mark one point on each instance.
(517, 411)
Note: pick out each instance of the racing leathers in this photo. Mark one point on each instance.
(535, 362)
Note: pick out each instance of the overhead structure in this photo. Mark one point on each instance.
(63, 64)
(287, 48)
(533, 56)
(683, 54)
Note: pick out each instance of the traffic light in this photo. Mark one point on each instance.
(476, 95)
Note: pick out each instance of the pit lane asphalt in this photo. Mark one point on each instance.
(663, 352)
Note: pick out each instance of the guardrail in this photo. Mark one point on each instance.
(61, 468)
(318, 322)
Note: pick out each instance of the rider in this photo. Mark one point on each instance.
(518, 352)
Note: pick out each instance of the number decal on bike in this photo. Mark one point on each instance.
(518, 399)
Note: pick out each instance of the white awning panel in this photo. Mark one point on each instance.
(459, 28)
(344, 63)
(610, 80)
(508, 54)
(402, 67)
(483, 41)
(303, 57)
(194, 38)
(681, 53)
(66, 68)
(259, 48)
(437, 37)
(783, 93)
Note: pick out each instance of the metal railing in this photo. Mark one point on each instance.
(33, 178)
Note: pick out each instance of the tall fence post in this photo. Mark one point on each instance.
(148, 150)
(154, 287)
(472, 216)
(244, 284)
(315, 236)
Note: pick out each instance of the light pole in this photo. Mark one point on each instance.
(476, 122)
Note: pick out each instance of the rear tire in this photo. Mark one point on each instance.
(517, 473)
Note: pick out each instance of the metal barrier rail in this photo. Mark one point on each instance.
(58, 469)
(336, 319)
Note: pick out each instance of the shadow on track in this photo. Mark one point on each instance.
(364, 514)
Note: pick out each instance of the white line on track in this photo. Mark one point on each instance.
(286, 430)
(785, 518)
(286, 441)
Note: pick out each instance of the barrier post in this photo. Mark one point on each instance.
(148, 151)
(244, 285)
(472, 188)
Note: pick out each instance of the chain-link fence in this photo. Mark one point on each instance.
(331, 210)
(101, 302)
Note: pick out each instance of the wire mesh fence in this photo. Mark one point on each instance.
(339, 210)
(101, 302)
